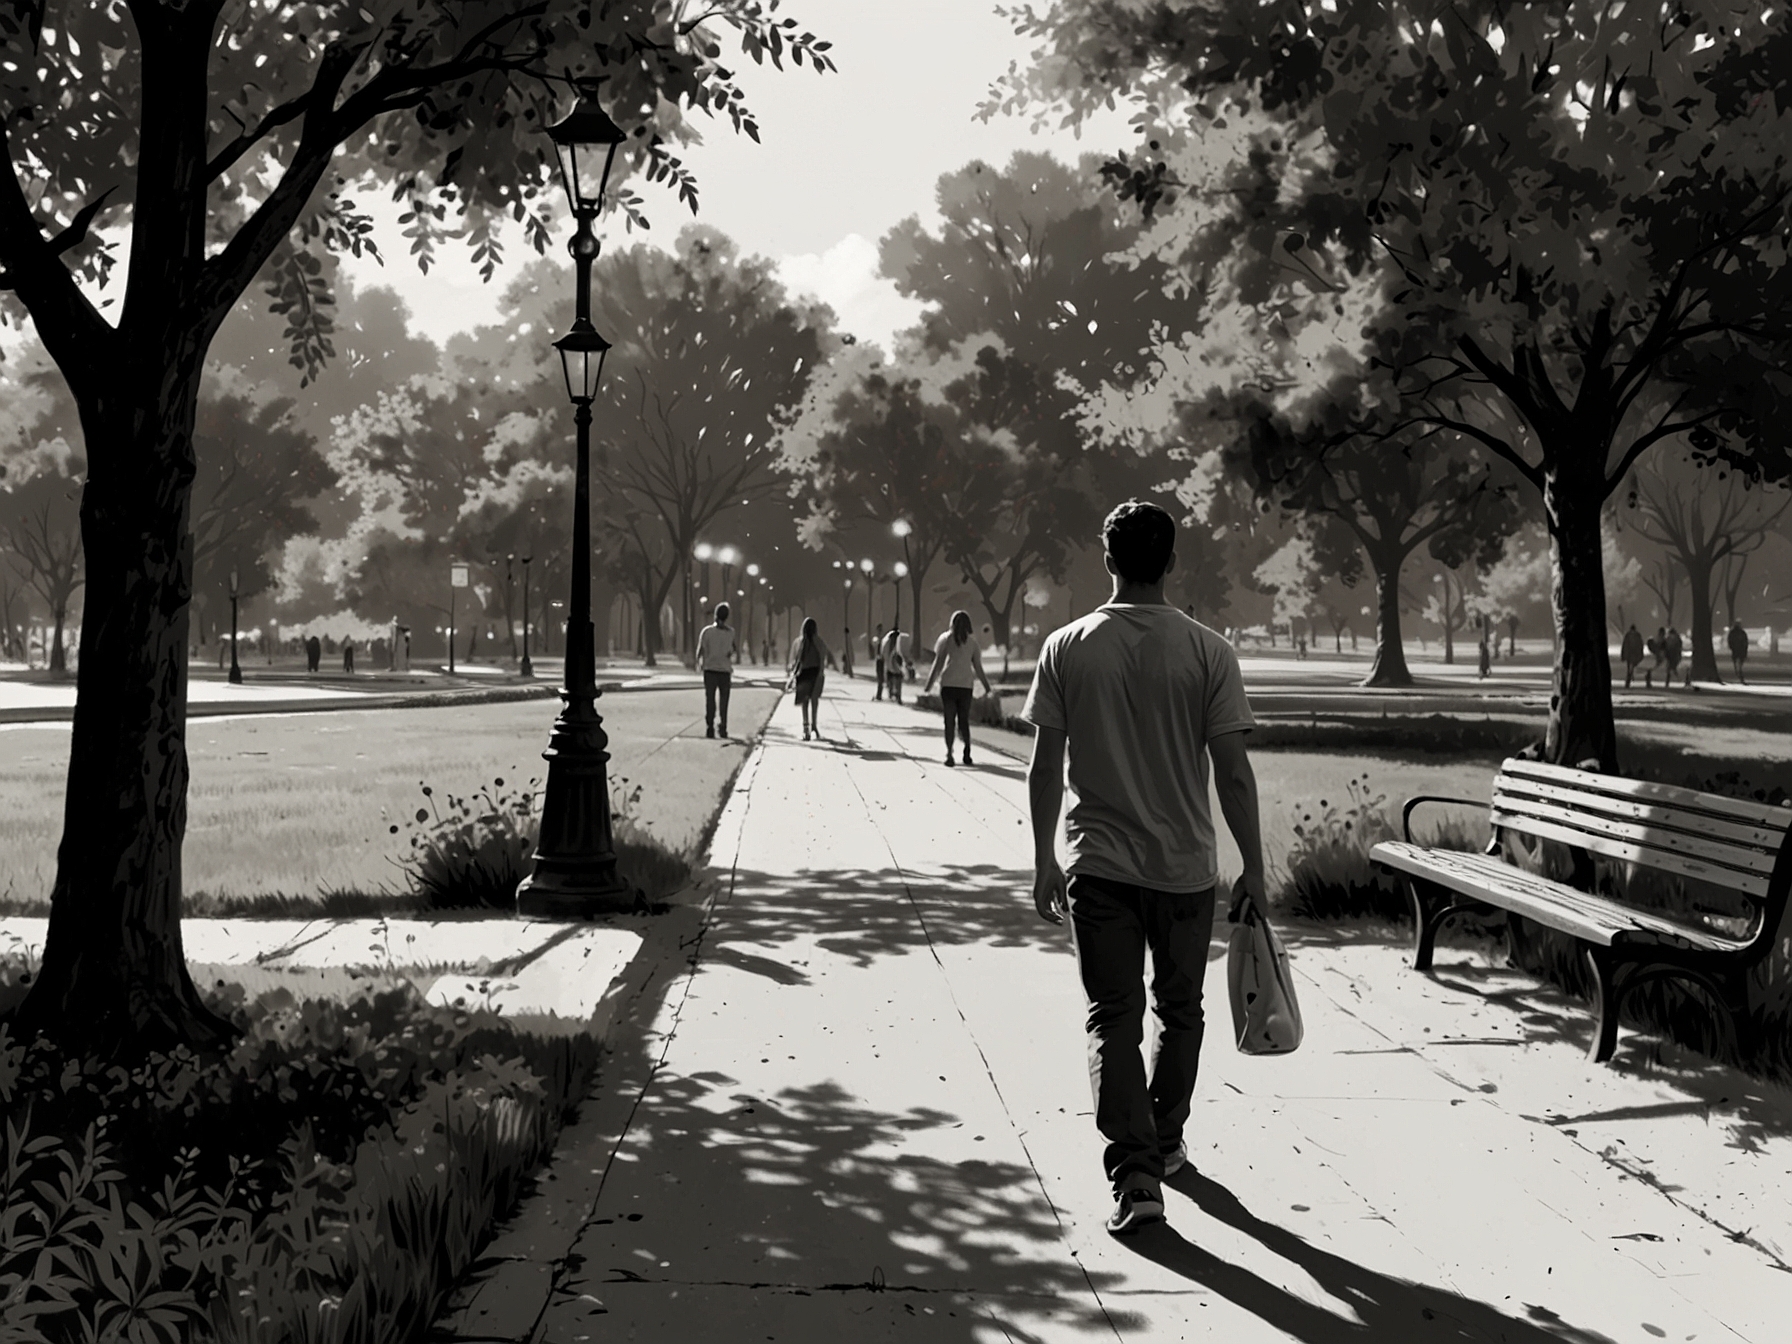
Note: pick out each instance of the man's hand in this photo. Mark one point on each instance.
(1250, 885)
(1050, 898)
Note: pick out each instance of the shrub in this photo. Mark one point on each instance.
(328, 1178)
(471, 853)
(1327, 874)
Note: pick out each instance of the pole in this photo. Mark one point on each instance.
(451, 625)
(527, 668)
(236, 672)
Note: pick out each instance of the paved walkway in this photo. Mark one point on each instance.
(846, 1099)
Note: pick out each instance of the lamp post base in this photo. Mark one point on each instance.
(575, 873)
(525, 668)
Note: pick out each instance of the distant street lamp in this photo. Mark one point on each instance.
(900, 529)
(526, 668)
(236, 672)
(899, 571)
(574, 873)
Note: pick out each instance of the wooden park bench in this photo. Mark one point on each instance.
(1742, 847)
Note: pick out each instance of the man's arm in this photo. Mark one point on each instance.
(1045, 798)
(1236, 784)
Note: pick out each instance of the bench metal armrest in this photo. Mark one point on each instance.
(1411, 803)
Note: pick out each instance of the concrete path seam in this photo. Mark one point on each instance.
(694, 947)
(989, 1071)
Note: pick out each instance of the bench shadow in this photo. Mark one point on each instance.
(1386, 1308)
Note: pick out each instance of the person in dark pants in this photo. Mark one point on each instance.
(1631, 651)
(348, 656)
(877, 654)
(956, 660)
(1143, 697)
(1738, 649)
(717, 652)
(890, 656)
(314, 653)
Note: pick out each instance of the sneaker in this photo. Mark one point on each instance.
(967, 757)
(709, 732)
(805, 734)
(1175, 1160)
(1135, 1207)
(950, 761)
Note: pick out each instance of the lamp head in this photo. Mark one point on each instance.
(728, 555)
(582, 353)
(900, 528)
(753, 570)
(865, 566)
(585, 141)
(900, 570)
(233, 581)
(703, 551)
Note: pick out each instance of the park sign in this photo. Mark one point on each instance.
(457, 576)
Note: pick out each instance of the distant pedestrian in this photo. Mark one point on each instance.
(1143, 697)
(957, 660)
(718, 650)
(808, 657)
(1658, 654)
(846, 651)
(1671, 652)
(405, 631)
(891, 659)
(877, 654)
(1738, 649)
(1631, 651)
(1485, 662)
(314, 653)
(348, 656)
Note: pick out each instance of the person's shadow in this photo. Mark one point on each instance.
(1388, 1309)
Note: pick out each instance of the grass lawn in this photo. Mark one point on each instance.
(299, 804)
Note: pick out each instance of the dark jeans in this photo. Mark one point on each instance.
(957, 703)
(715, 686)
(880, 680)
(1112, 923)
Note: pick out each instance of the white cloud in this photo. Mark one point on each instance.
(845, 278)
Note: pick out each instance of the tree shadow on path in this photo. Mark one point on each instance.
(1387, 1308)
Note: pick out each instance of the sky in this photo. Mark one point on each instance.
(842, 158)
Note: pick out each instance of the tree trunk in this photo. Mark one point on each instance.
(1389, 667)
(1580, 703)
(114, 975)
(1702, 660)
(603, 593)
(58, 654)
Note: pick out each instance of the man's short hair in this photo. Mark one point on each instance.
(721, 611)
(1139, 537)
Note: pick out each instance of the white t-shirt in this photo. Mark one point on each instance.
(891, 649)
(715, 648)
(959, 664)
(1139, 690)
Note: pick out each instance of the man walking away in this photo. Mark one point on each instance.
(877, 654)
(1141, 697)
(1738, 649)
(1658, 652)
(717, 652)
(1672, 648)
(1631, 651)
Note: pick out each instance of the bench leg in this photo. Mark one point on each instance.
(1598, 965)
(1428, 914)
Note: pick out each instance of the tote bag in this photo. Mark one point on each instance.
(1265, 1013)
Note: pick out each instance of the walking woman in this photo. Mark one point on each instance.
(808, 656)
(958, 664)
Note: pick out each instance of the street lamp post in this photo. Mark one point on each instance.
(900, 529)
(526, 668)
(748, 598)
(236, 672)
(574, 873)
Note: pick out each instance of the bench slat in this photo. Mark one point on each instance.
(1740, 809)
(1750, 884)
(1582, 816)
(1759, 836)
(1553, 904)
